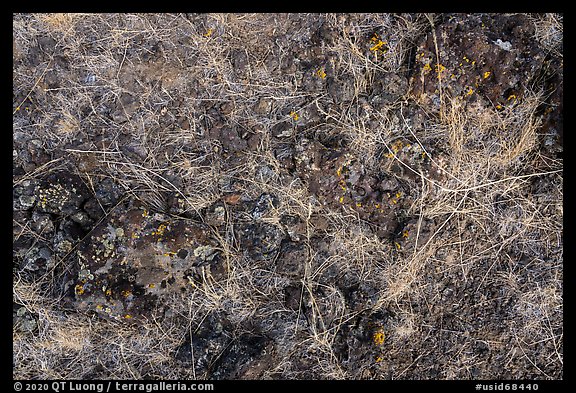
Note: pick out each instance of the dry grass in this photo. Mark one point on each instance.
(485, 215)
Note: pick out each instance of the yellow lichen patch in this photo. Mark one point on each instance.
(398, 246)
(151, 286)
(108, 292)
(486, 74)
(358, 204)
(397, 146)
(378, 337)
(161, 230)
(470, 92)
(341, 200)
(405, 233)
(396, 197)
(378, 43)
(294, 116)
(439, 69)
(99, 307)
(342, 168)
(342, 184)
(209, 32)
(127, 316)
(321, 73)
(145, 213)
(126, 293)
(512, 97)
(379, 359)
(79, 289)
(169, 254)
(426, 69)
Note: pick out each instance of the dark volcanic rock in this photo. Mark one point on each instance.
(135, 257)
(487, 57)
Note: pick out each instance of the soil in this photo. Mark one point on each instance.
(289, 196)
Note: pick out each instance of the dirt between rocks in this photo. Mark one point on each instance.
(283, 196)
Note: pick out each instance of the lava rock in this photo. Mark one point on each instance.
(264, 204)
(134, 258)
(61, 193)
(292, 259)
(244, 358)
(215, 214)
(261, 240)
(282, 130)
(263, 106)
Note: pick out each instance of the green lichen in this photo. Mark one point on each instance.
(85, 274)
(205, 253)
